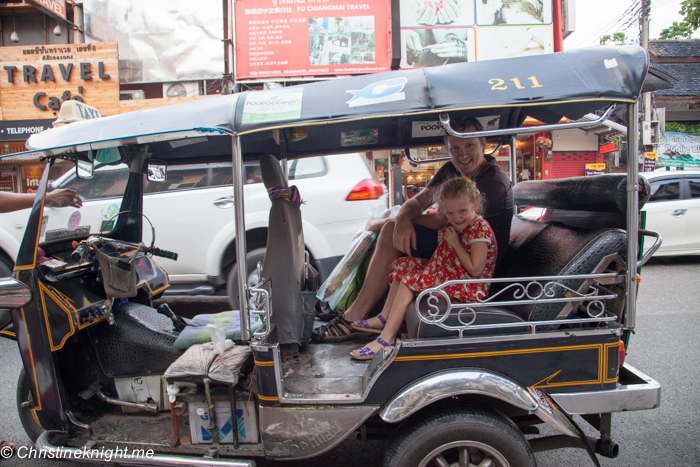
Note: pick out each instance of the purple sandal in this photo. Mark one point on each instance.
(368, 354)
(364, 325)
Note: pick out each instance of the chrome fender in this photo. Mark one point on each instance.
(13, 293)
(449, 383)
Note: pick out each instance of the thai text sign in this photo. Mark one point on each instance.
(283, 38)
(595, 169)
(678, 150)
(35, 81)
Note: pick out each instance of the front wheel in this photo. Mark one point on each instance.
(27, 415)
(461, 437)
(252, 259)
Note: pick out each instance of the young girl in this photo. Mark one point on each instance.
(467, 249)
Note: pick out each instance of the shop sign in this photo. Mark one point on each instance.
(31, 176)
(595, 169)
(35, 81)
(56, 8)
(606, 148)
(440, 32)
(22, 129)
(649, 161)
(7, 181)
(287, 38)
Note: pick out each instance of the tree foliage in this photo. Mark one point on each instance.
(683, 127)
(690, 9)
(617, 38)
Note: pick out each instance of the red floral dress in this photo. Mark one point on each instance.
(419, 274)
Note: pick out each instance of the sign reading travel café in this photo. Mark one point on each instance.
(35, 81)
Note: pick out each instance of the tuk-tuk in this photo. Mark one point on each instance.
(101, 370)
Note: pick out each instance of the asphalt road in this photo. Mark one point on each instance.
(666, 347)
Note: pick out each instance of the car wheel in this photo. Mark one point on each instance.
(27, 415)
(466, 436)
(5, 271)
(252, 259)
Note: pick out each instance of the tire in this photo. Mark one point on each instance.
(440, 438)
(5, 271)
(27, 415)
(252, 259)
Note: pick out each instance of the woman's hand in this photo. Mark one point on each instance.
(451, 237)
(63, 198)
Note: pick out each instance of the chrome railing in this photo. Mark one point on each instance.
(524, 290)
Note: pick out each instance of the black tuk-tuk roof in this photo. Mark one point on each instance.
(370, 112)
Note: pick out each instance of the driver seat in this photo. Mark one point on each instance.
(284, 257)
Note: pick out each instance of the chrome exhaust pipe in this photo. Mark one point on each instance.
(127, 456)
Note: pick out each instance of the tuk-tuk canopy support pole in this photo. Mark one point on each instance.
(513, 162)
(237, 164)
(632, 214)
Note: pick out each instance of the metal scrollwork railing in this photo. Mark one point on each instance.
(523, 290)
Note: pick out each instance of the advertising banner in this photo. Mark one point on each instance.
(288, 38)
(439, 32)
(678, 150)
(595, 169)
(649, 162)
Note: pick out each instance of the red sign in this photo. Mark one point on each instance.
(57, 7)
(608, 148)
(284, 38)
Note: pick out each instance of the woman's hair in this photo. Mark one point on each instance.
(459, 187)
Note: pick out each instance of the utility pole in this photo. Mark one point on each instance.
(644, 23)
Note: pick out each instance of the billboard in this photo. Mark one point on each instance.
(439, 32)
(292, 38)
(678, 150)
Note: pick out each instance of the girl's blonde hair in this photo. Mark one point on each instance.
(459, 187)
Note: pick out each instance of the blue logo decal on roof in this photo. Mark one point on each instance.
(376, 93)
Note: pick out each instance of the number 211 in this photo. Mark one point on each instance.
(498, 84)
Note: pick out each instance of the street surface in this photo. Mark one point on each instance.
(666, 347)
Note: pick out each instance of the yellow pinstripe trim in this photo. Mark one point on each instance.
(497, 354)
(546, 381)
(268, 398)
(8, 333)
(264, 363)
(605, 364)
(43, 289)
(37, 403)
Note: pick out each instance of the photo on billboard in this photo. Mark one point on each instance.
(513, 41)
(341, 40)
(440, 13)
(436, 46)
(442, 32)
(495, 12)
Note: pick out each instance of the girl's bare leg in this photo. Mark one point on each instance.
(374, 322)
(403, 297)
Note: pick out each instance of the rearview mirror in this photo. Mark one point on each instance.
(84, 165)
(156, 170)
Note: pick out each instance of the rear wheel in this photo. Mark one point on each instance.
(252, 259)
(27, 415)
(463, 437)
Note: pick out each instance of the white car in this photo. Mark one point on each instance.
(338, 192)
(674, 211)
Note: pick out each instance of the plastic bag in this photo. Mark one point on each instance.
(333, 289)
